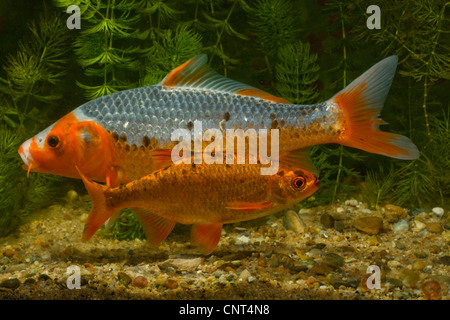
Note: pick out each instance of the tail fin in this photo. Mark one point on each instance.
(361, 102)
(100, 212)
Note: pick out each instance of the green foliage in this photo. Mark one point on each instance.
(32, 72)
(273, 24)
(126, 227)
(297, 73)
(19, 195)
(176, 47)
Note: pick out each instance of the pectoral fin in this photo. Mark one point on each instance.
(250, 206)
(156, 228)
(206, 236)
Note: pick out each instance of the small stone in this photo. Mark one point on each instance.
(251, 279)
(444, 260)
(371, 224)
(416, 211)
(401, 226)
(351, 203)
(327, 220)
(334, 260)
(124, 278)
(394, 282)
(140, 282)
(189, 265)
(321, 268)
(8, 252)
(418, 225)
(339, 225)
(418, 265)
(10, 283)
(279, 259)
(72, 195)
(242, 241)
(245, 274)
(421, 254)
(399, 245)
(432, 290)
(293, 222)
(398, 211)
(434, 227)
(84, 216)
(438, 211)
(171, 284)
(44, 277)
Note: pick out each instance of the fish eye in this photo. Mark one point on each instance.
(298, 182)
(53, 141)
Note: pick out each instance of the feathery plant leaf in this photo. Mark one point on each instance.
(297, 73)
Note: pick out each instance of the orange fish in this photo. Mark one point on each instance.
(206, 196)
(127, 135)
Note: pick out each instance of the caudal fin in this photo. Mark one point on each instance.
(100, 212)
(361, 102)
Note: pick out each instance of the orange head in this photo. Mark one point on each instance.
(293, 185)
(66, 144)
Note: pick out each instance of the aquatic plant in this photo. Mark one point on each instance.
(19, 195)
(297, 73)
(126, 227)
(273, 22)
(32, 72)
(102, 47)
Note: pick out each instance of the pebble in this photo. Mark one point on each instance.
(189, 265)
(371, 224)
(327, 220)
(399, 245)
(418, 225)
(292, 221)
(444, 260)
(242, 241)
(400, 226)
(84, 216)
(334, 260)
(245, 274)
(72, 195)
(140, 282)
(171, 284)
(124, 278)
(438, 211)
(8, 252)
(10, 283)
(351, 203)
(432, 290)
(434, 227)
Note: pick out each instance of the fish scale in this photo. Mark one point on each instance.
(178, 107)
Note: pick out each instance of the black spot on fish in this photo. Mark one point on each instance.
(273, 116)
(304, 113)
(280, 173)
(274, 124)
(281, 123)
(190, 125)
(123, 137)
(226, 116)
(115, 136)
(146, 141)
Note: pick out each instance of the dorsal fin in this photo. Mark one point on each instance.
(196, 73)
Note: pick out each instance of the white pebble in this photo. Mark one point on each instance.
(438, 211)
(401, 226)
(244, 275)
(242, 240)
(352, 202)
(418, 225)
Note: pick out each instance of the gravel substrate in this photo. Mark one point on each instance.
(317, 253)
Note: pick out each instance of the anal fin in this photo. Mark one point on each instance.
(206, 236)
(156, 228)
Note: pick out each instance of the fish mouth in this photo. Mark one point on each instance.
(317, 182)
(28, 161)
